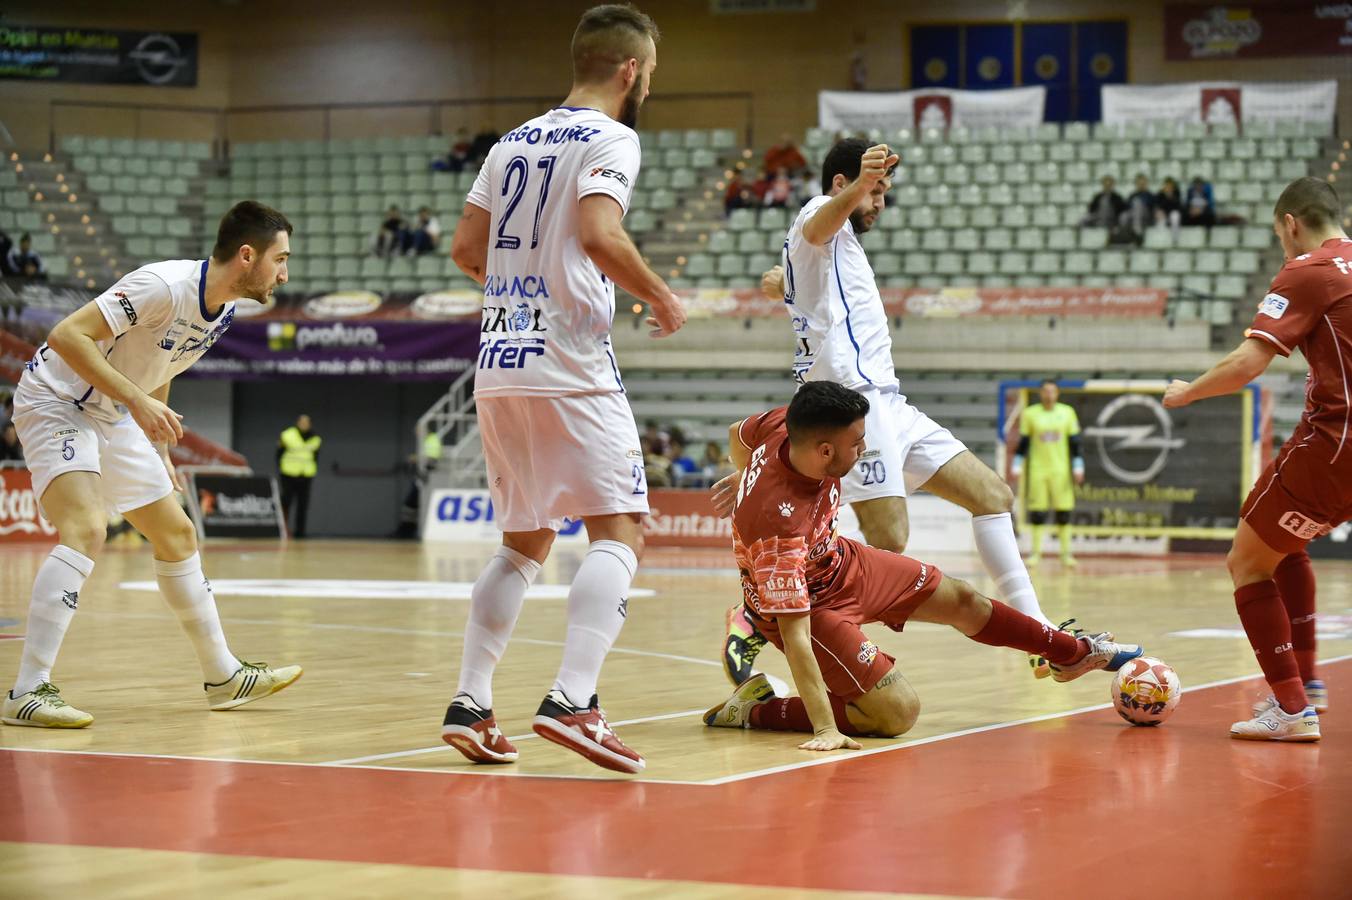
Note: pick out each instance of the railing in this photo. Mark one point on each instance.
(453, 420)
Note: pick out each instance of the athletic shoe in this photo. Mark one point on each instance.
(735, 712)
(741, 646)
(252, 681)
(1315, 692)
(42, 707)
(472, 730)
(1103, 653)
(1069, 561)
(1276, 724)
(584, 730)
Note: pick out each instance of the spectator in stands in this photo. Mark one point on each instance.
(482, 143)
(779, 192)
(716, 464)
(785, 155)
(656, 467)
(1199, 207)
(425, 235)
(459, 157)
(1141, 206)
(738, 194)
(25, 262)
(657, 438)
(682, 466)
(390, 238)
(1169, 205)
(6, 408)
(805, 187)
(10, 450)
(6, 245)
(1106, 209)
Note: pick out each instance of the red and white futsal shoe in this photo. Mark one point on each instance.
(472, 730)
(584, 730)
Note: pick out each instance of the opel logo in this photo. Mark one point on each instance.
(158, 58)
(1134, 422)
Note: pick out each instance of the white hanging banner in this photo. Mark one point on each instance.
(1216, 102)
(930, 108)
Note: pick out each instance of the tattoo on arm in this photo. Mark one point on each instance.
(889, 679)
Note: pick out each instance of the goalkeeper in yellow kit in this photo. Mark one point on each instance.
(1049, 460)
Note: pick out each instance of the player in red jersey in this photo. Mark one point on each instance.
(809, 591)
(1307, 490)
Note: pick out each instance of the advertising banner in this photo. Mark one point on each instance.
(235, 506)
(1250, 30)
(98, 56)
(685, 519)
(930, 108)
(20, 517)
(1221, 102)
(467, 515)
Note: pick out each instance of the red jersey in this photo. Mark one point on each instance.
(1310, 306)
(783, 525)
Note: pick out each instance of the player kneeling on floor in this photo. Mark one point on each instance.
(808, 591)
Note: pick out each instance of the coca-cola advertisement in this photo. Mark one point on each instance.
(235, 506)
(20, 516)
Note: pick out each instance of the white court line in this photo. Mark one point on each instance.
(384, 629)
(856, 754)
(515, 737)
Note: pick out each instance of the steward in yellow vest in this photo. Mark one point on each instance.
(297, 462)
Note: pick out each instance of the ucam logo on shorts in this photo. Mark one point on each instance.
(1273, 306)
(1303, 526)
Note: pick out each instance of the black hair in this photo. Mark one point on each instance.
(844, 158)
(247, 222)
(1047, 381)
(823, 406)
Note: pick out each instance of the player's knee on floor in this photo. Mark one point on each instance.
(893, 707)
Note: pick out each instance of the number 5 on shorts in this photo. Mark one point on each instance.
(67, 450)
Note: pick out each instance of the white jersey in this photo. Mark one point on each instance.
(160, 327)
(838, 317)
(547, 308)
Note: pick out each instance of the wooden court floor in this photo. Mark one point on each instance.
(340, 786)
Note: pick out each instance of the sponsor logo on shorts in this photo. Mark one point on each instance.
(924, 576)
(128, 310)
(868, 651)
(1273, 306)
(65, 432)
(600, 172)
(634, 454)
(1302, 526)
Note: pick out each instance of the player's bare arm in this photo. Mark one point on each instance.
(1245, 363)
(807, 678)
(469, 246)
(604, 239)
(876, 162)
(76, 338)
(161, 394)
(725, 489)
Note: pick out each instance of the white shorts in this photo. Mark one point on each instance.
(554, 457)
(903, 449)
(58, 438)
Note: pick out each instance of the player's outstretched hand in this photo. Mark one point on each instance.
(772, 283)
(1176, 394)
(668, 317)
(830, 740)
(875, 163)
(725, 494)
(160, 423)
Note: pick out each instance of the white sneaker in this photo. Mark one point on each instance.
(1276, 724)
(1104, 653)
(42, 707)
(252, 681)
(735, 712)
(1315, 692)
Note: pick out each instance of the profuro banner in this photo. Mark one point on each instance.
(98, 56)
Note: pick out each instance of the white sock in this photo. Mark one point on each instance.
(494, 604)
(999, 550)
(189, 595)
(597, 605)
(56, 593)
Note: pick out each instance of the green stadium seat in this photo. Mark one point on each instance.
(1111, 262)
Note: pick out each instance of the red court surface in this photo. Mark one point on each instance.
(1068, 807)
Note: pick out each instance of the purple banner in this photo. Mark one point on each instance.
(353, 348)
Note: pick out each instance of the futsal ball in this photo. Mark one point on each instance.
(1146, 691)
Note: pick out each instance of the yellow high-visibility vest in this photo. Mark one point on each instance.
(298, 454)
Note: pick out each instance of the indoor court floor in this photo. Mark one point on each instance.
(340, 786)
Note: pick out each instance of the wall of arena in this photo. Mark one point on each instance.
(761, 70)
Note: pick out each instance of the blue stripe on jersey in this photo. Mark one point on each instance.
(578, 108)
(202, 294)
(788, 271)
(87, 394)
(858, 354)
(614, 368)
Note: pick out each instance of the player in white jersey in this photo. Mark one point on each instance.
(92, 417)
(542, 233)
(842, 334)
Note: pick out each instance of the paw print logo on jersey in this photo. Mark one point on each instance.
(786, 509)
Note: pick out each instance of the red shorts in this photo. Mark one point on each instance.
(872, 586)
(1301, 495)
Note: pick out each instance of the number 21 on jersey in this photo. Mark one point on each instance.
(514, 183)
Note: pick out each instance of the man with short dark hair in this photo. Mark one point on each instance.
(1107, 206)
(1049, 440)
(24, 261)
(1306, 491)
(91, 411)
(809, 592)
(542, 231)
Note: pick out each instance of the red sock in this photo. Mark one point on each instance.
(790, 714)
(1265, 622)
(1010, 628)
(1295, 581)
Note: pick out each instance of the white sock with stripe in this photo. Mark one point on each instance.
(999, 550)
(598, 603)
(189, 595)
(56, 593)
(494, 605)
